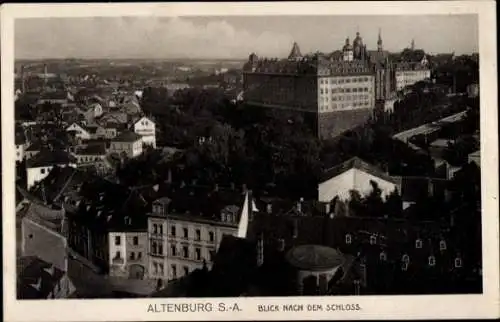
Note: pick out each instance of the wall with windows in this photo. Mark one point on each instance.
(346, 92)
(406, 78)
(117, 253)
(132, 149)
(36, 174)
(178, 247)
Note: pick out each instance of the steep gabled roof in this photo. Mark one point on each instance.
(355, 163)
(48, 157)
(127, 136)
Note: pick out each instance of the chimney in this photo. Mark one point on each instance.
(244, 188)
(269, 208)
(295, 228)
(327, 208)
(169, 175)
(260, 250)
(299, 205)
(156, 187)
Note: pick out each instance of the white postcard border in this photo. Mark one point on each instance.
(486, 305)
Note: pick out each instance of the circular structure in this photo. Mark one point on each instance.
(314, 258)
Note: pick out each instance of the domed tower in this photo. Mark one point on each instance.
(358, 46)
(380, 47)
(347, 50)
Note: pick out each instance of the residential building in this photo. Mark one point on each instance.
(475, 157)
(128, 247)
(92, 155)
(81, 132)
(43, 255)
(353, 174)
(21, 144)
(40, 280)
(145, 127)
(108, 131)
(39, 167)
(92, 112)
(54, 97)
(181, 241)
(32, 149)
(127, 143)
(409, 73)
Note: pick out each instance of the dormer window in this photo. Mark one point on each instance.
(373, 240)
(383, 256)
(418, 244)
(458, 262)
(281, 244)
(432, 261)
(442, 245)
(348, 239)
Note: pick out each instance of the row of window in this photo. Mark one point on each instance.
(88, 159)
(157, 249)
(418, 242)
(158, 269)
(346, 98)
(345, 90)
(118, 240)
(344, 105)
(158, 229)
(345, 80)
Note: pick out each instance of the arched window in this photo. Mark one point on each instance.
(442, 245)
(432, 261)
(406, 258)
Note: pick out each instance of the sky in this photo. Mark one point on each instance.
(235, 37)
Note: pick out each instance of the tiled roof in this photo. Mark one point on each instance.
(59, 182)
(127, 136)
(36, 279)
(110, 206)
(48, 157)
(92, 149)
(355, 163)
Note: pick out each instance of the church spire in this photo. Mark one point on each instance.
(413, 44)
(379, 41)
(295, 52)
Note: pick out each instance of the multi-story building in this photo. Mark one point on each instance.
(39, 167)
(179, 242)
(409, 73)
(128, 143)
(145, 127)
(336, 91)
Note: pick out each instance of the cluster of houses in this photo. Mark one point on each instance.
(149, 237)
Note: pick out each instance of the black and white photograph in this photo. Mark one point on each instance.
(248, 156)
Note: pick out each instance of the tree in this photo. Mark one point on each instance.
(373, 203)
(393, 204)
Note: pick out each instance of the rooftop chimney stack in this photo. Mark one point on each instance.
(260, 250)
(269, 208)
(299, 205)
(327, 208)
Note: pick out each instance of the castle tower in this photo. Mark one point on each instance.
(358, 46)
(380, 47)
(347, 51)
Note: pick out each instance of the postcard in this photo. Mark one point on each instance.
(250, 161)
